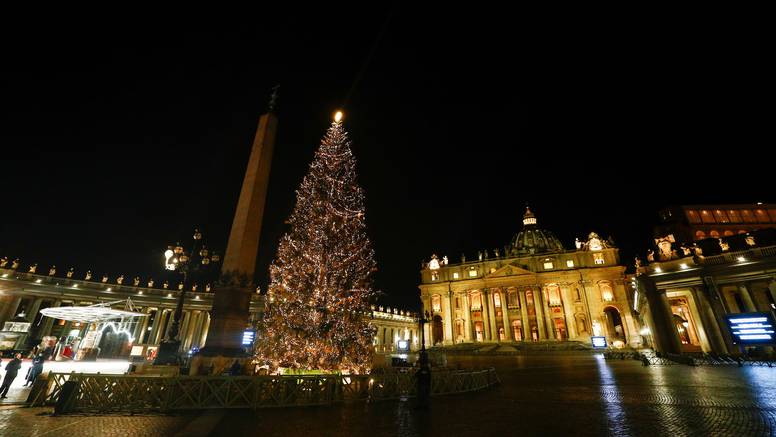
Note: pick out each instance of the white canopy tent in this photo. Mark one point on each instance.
(98, 317)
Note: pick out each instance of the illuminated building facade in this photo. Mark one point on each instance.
(698, 222)
(691, 287)
(24, 295)
(533, 290)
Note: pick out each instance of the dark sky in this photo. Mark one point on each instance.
(117, 139)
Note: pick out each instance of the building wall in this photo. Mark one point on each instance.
(561, 296)
(29, 293)
(711, 288)
(391, 326)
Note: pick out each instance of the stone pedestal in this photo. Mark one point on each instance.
(229, 319)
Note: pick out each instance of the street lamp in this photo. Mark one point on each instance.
(423, 375)
(199, 264)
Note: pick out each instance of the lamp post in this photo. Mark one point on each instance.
(197, 264)
(423, 375)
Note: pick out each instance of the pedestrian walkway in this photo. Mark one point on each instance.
(18, 421)
(18, 393)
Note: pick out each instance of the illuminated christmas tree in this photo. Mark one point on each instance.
(321, 279)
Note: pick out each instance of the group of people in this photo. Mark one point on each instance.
(12, 370)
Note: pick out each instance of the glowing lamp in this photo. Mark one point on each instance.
(338, 116)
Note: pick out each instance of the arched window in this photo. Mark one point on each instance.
(497, 300)
(607, 295)
(700, 235)
(728, 233)
(529, 303)
(714, 233)
(476, 302)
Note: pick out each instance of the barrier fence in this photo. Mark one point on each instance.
(108, 393)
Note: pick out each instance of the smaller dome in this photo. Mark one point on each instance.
(534, 240)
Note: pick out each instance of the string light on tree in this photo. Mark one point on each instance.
(321, 278)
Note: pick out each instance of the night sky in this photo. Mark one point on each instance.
(118, 139)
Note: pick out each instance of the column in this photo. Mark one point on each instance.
(10, 310)
(138, 329)
(191, 332)
(549, 325)
(772, 289)
(205, 328)
(485, 312)
(719, 310)
(159, 328)
(664, 333)
(467, 315)
(747, 298)
(143, 332)
(568, 312)
(540, 322)
(184, 329)
(34, 309)
(48, 322)
(447, 307)
(525, 324)
(708, 322)
(508, 334)
(492, 317)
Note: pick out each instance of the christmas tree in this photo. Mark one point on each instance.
(321, 279)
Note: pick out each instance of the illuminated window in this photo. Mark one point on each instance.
(434, 276)
(517, 330)
(720, 216)
(548, 265)
(472, 272)
(734, 216)
(569, 263)
(700, 235)
(512, 299)
(492, 269)
(497, 300)
(529, 303)
(714, 234)
(598, 258)
(728, 233)
(476, 302)
(436, 303)
(553, 295)
(607, 295)
(455, 275)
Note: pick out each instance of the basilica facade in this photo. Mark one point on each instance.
(533, 290)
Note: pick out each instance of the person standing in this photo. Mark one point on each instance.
(11, 369)
(35, 370)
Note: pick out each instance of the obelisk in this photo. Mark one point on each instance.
(232, 297)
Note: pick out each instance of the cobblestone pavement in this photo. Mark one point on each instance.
(17, 421)
(565, 394)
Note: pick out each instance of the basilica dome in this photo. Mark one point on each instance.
(534, 240)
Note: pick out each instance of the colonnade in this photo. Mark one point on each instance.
(538, 312)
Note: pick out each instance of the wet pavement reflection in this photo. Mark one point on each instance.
(552, 394)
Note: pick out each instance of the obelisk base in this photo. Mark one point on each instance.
(229, 319)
